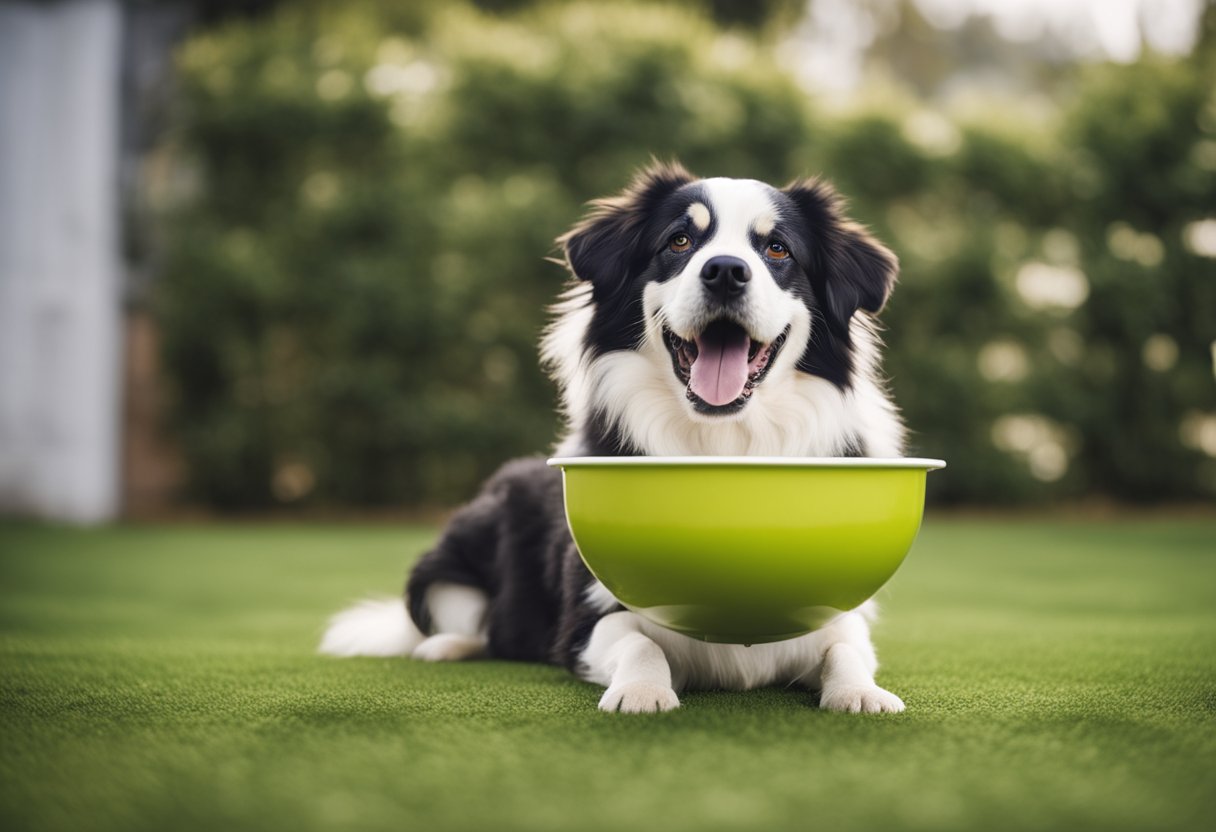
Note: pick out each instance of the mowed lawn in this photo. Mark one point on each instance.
(1058, 675)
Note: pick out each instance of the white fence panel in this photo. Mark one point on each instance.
(60, 277)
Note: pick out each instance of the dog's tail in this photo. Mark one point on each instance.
(375, 627)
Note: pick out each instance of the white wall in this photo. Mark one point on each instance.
(60, 286)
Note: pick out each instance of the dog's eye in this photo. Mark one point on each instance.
(777, 251)
(680, 242)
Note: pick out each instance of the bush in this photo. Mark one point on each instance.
(356, 278)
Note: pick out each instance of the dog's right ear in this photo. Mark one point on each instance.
(608, 246)
(852, 270)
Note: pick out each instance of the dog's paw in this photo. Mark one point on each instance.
(639, 698)
(450, 647)
(860, 699)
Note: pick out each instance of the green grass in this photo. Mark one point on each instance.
(1058, 675)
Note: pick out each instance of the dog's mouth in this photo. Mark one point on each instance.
(721, 366)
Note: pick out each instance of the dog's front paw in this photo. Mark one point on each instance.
(639, 698)
(860, 699)
(450, 647)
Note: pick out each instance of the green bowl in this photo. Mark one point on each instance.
(740, 549)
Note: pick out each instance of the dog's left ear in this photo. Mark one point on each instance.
(609, 244)
(850, 270)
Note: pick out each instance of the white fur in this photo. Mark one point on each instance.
(599, 598)
(633, 668)
(458, 617)
(380, 627)
(562, 351)
(457, 608)
(384, 628)
(764, 223)
(450, 647)
(699, 215)
(847, 682)
(630, 655)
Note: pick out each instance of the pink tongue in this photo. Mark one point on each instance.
(720, 369)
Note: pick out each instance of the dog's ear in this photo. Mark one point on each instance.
(609, 244)
(850, 270)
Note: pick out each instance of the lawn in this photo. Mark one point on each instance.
(1058, 675)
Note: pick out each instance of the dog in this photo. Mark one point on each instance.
(703, 317)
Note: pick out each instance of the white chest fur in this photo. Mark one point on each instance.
(699, 665)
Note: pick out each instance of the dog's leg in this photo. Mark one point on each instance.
(632, 667)
(848, 682)
(458, 617)
(844, 665)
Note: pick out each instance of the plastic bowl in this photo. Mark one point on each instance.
(743, 550)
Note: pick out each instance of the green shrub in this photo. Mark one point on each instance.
(366, 193)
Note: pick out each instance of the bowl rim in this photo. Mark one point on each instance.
(745, 461)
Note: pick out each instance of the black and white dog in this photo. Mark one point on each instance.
(705, 317)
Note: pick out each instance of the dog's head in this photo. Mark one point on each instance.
(728, 285)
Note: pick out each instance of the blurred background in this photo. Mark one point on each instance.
(289, 257)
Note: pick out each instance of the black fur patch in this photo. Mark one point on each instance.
(848, 270)
(617, 249)
(603, 437)
(512, 542)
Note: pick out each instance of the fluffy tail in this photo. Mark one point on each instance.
(380, 627)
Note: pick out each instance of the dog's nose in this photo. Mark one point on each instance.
(725, 276)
